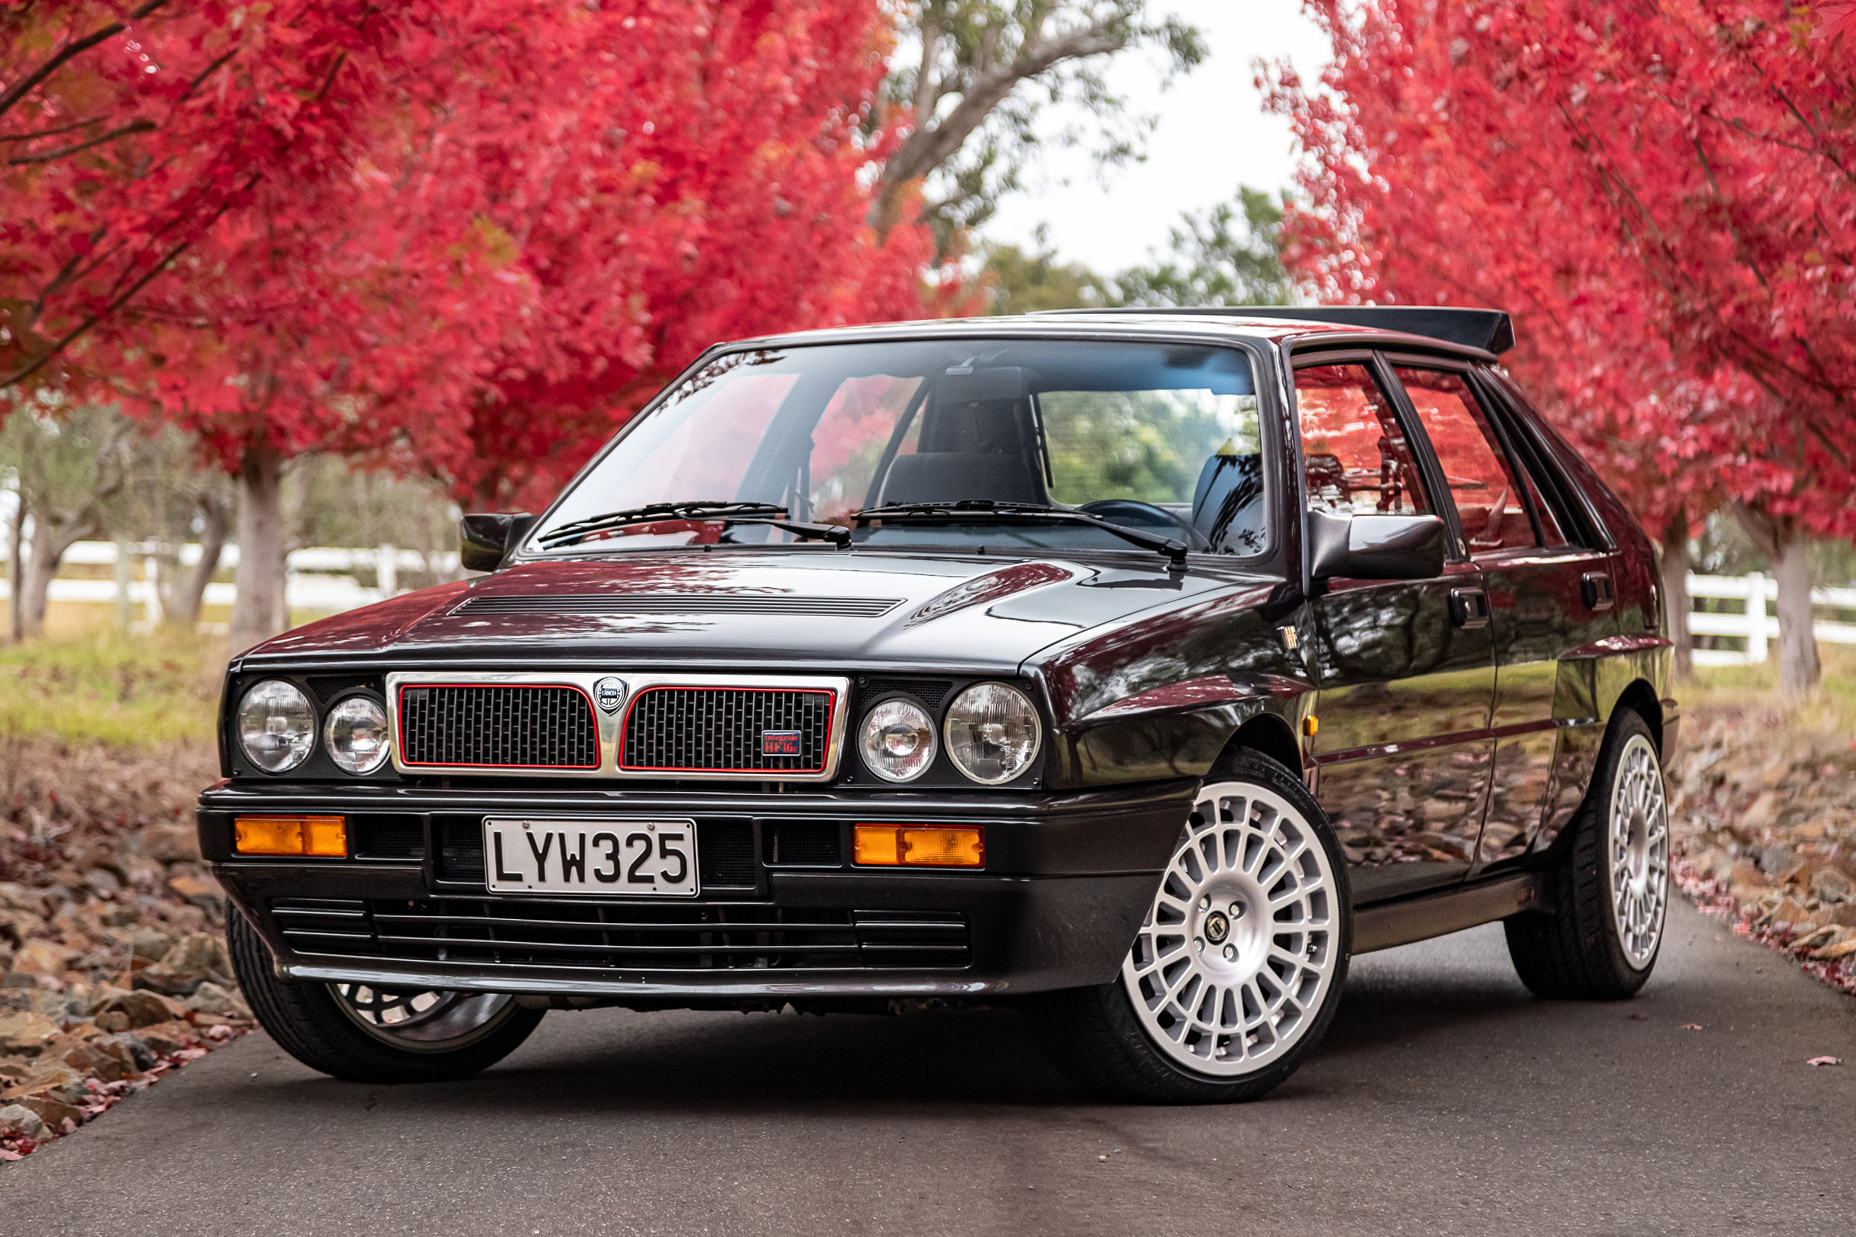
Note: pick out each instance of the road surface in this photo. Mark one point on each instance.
(1445, 1100)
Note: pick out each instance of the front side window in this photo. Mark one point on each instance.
(1162, 438)
(1354, 452)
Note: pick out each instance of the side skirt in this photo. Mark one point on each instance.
(1436, 914)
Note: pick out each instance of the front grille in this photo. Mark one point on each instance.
(498, 726)
(806, 843)
(677, 603)
(387, 835)
(726, 729)
(498, 933)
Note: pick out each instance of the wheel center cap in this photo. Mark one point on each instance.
(1217, 927)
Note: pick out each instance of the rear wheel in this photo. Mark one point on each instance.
(1237, 968)
(1598, 938)
(368, 1034)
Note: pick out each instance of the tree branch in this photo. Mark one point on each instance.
(137, 126)
(72, 47)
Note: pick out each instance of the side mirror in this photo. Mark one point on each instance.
(1376, 547)
(485, 540)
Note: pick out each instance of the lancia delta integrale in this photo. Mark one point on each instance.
(1141, 667)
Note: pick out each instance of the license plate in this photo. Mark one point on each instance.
(626, 858)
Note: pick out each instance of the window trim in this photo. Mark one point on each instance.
(1584, 530)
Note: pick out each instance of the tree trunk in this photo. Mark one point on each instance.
(1788, 549)
(192, 593)
(48, 550)
(15, 565)
(258, 613)
(1676, 601)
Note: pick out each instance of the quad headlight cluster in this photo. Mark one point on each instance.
(277, 729)
(991, 731)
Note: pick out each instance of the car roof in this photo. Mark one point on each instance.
(1477, 333)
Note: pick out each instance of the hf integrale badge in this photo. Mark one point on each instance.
(779, 743)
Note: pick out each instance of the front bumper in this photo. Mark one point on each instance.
(1067, 880)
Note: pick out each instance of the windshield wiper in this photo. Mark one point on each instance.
(580, 530)
(1031, 513)
(837, 534)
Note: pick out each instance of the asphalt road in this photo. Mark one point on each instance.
(1445, 1100)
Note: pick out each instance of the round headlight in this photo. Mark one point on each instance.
(276, 726)
(898, 741)
(992, 732)
(356, 735)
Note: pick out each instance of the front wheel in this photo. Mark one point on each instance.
(1238, 966)
(368, 1034)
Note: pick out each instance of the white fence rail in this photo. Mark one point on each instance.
(320, 580)
(1754, 621)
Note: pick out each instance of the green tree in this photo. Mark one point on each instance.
(959, 72)
(1230, 254)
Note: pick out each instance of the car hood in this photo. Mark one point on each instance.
(809, 609)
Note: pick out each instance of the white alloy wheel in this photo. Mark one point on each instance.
(1237, 954)
(423, 1020)
(1637, 838)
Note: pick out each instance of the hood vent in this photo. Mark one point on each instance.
(680, 603)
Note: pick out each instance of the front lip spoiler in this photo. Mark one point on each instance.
(316, 973)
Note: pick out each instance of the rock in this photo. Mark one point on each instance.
(18, 926)
(1829, 953)
(171, 842)
(42, 957)
(167, 1038)
(1747, 875)
(1788, 911)
(131, 1048)
(103, 882)
(1763, 811)
(18, 1119)
(54, 1078)
(193, 959)
(26, 1032)
(96, 1062)
(54, 1112)
(192, 887)
(151, 943)
(1844, 916)
(210, 998)
(1833, 885)
(140, 1009)
(18, 979)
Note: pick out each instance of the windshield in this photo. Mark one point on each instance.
(1159, 438)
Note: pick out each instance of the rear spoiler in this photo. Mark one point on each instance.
(1488, 329)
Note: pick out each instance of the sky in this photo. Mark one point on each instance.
(1211, 137)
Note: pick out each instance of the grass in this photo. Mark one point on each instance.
(139, 692)
(1833, 708)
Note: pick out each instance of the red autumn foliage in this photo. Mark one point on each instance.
(486, 230)
(1664, 193)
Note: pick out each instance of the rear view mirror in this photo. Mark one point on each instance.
(1376, 547)
(485, 540)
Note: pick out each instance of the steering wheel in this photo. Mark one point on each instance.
(1136, 514)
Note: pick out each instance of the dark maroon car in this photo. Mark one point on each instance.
(1142, 667)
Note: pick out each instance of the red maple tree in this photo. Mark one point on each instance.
(1664, 195)
(530, 214)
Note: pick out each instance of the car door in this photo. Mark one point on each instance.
(1546, 594)
(1404, 669)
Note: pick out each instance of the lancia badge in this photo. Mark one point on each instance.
(610, 693)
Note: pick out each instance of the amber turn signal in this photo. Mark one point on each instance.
(920, 846)
(324, 837)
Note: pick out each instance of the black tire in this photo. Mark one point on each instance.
(1100, 1038)
(1573, 948)
(309, 1023)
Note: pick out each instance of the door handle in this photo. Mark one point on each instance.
(1469, 607)
(1595, 590)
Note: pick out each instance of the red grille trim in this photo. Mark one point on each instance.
(400, 724)
(772, 775)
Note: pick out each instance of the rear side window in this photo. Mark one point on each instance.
(1492, 502)
(1354, 450)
